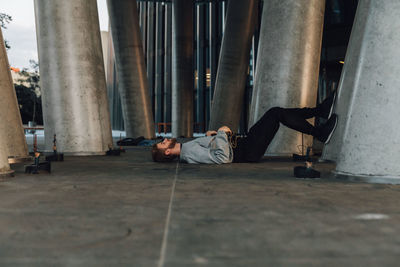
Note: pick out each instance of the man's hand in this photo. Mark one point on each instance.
(225, 129)
(210, 133)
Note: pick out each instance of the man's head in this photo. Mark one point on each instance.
(165, 151)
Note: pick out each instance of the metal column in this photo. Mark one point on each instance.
(11, 131)
(150, 53)
(233, 64)
(159, 64)
(167, 63)
(288, 64)
(201, 66)
(117, 118)
(143, 26)
(74, 98)
(214, 46)
(182, 68)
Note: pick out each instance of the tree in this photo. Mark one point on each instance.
(4, 20)
(29, 94)
(27, 87)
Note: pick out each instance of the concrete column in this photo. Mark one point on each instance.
(74, 98)
(233, 64)
(11, 130)
(131, 68)
(4, 166)
(288, 64)
(367, 140)
(348, 83)
(182, 68)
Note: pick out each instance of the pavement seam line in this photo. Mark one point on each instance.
(167, 222)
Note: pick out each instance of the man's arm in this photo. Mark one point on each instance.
(223, 128)
(221, 148)
(210, 133)
(214, 149)
(226, 129)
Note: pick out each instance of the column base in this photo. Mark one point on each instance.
(277, 155)
(376, 179)
(321, 160)
(5, 174)
(79, 153)
(14, 160)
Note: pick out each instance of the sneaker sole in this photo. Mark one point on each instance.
(332, 106)
(333, 130)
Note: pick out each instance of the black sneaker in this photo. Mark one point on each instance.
(326, 107)
(327, 129)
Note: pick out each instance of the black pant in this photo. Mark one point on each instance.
(253, 146)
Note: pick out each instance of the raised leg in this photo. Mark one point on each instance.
(261, 134)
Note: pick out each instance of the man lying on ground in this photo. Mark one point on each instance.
(217, 148)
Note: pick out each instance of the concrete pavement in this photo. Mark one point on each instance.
(129, 211)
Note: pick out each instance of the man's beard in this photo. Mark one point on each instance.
(173, 143)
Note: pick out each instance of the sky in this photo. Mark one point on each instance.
(21, 31)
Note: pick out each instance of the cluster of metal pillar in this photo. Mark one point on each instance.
(159, 78)
(204, 26)
(155, 20)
